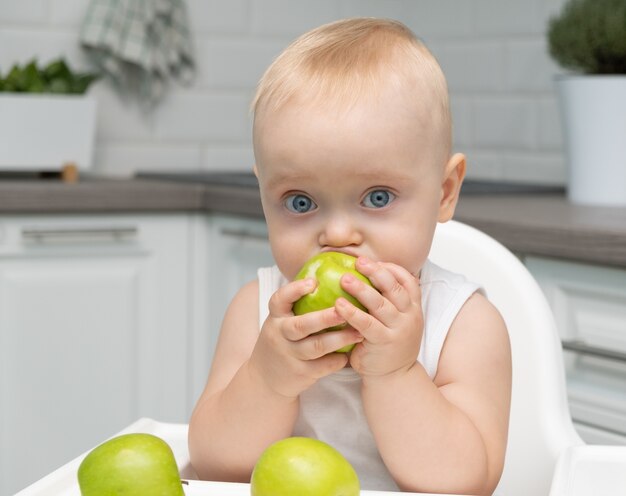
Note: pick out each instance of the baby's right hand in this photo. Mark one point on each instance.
(289, 356)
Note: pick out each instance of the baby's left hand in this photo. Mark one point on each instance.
(394, 326)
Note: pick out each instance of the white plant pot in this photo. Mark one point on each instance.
(44, 132)
(593, 111)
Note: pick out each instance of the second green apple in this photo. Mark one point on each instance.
(328, 268)
(134, 464)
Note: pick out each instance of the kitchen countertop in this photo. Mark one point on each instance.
(542, 223)
(548, 225)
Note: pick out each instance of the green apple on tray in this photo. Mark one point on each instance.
(130, 465)
(304, 467)
(144, 465)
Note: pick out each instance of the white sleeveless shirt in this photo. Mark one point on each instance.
(331, 410)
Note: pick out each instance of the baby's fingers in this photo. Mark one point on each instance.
(410, 282)
(281, 302)
(370, 328)
(298, 328)
(379, 303)
(325, 343)
(392, 281)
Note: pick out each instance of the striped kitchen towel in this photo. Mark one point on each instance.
(140, 44)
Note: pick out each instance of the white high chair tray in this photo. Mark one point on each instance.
(63, 481)
(204, 488)
(590, 469)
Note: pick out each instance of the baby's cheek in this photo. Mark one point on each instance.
(288, 266)
(285, 256)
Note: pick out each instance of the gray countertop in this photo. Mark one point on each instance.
(548, 225)
(542, 224)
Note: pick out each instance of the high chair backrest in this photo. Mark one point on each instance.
(540, 424)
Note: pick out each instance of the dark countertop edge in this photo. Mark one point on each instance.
(232, 200)
(593, 247)
(99, 196)
(589, 243)
(550, 226)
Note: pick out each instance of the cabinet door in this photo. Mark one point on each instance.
(589, 304)
(236, 247)
(92, 334)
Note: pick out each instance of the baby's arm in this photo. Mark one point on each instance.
(251, 396)
(443, 436)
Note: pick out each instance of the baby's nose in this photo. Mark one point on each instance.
(340, 230)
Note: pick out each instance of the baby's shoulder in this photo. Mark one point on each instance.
(479, 318)
(478, 337)
(247, 298)
(243, 311)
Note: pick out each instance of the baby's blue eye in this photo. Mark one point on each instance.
(299, 203)
(378, 198)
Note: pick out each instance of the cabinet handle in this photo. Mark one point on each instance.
(584, 349)
(243, 233)
(36, 234)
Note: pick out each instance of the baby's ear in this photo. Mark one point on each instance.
(451, 186)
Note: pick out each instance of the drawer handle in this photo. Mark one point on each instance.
(36, 234)
(584, 349)
(243, 233)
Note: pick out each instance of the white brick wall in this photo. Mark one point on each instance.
(493, 52)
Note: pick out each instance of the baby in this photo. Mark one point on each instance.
(352, 141)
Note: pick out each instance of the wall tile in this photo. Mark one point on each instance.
(548, 9)
(23, 11)
(289, 18)
(236, 63)
(528, 65)
(120, 118)
(124, 159)
(493, 53)
(218, 16)
(471, 66)
(504, 122)
(531, 167)
(443, 18)
(68, 12)
(507, 17)
(216, 157)
(391, 9)
(549, 128)
(22, 44)
(191, 116)
(483, 164)
(462, 118)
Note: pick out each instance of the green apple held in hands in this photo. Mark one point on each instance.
(327, 268)
(303, 466)
(130, 465)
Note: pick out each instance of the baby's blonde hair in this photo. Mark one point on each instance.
(347, 60)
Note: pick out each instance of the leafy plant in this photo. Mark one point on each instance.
(56, 77)
(589, 36)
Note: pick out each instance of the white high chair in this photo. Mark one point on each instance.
(541, 430)
(540, 427)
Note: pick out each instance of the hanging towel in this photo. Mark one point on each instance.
(140, 44)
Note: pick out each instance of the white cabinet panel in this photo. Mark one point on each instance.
(241, 247)
(237, 247)
(93, 334)
(589, 304)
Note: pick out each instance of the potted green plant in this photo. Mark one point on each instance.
(588, 39)
(46, 120)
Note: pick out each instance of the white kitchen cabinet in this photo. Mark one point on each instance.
(235, 247)
(94, 333)
(589, 305)
(239, 247)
